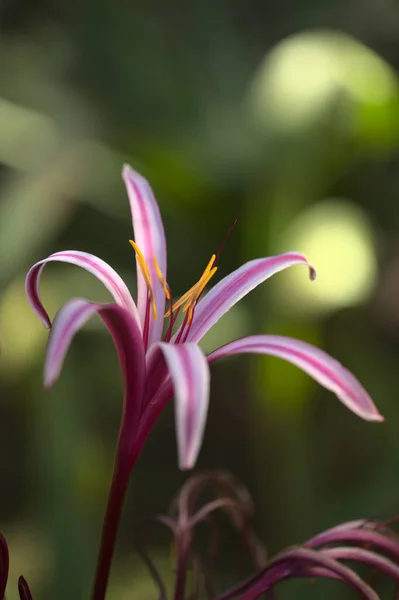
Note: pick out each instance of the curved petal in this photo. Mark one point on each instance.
(362, 555)
(99, 268)
(366, 538)
(23, 589)
(342, 527)
(232, 288)
(127, 339)
(290, 562)
(323, 368)
(298, 562)
(189, 372)
(150, 237)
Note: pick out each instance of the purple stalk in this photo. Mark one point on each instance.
(128, 343)
(183, 541)
(4, 566)
(113, 513)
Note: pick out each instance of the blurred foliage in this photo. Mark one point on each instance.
(270, 107)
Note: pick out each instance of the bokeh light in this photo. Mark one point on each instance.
(309, 74)
(338, 239)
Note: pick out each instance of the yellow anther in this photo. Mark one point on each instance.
(201, 285)
(190, 297)
(142, 262)
(161, 278)
(146, 274)
(191, 305)
(209, 266)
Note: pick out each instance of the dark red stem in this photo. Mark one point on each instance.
(183, 544)
(4, 565)
(113, 513)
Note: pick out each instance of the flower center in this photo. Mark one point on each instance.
(188, 300)
(191, 297)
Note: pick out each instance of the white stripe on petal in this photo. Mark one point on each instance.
(71, 317)
(189, 372)
(99, 268)
(323, 368)
(235, 286)
(150, 237)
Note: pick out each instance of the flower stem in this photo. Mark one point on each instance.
(113, 513)
(180, 583)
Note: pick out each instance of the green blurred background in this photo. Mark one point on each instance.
(288, 110)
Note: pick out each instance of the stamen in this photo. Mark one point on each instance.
(193, 292)
(184, 337)
(190, 307)
(181, 330)
(161, 278)
(146, 328)
(146, 274)
(172, 321)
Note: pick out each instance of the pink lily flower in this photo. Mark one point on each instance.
(157, 365)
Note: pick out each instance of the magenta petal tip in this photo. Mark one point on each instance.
(126, 170)
(378, 418)
(189, 371)
(324, 369)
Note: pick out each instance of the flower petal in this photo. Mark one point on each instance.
(150, 237)
(127, 339)
(23, 589)
(235, 286)
(290, 561)
(189, 372)
(99, 268)
(366, 537)
(299, 562)
(319, 365)
(372, 559)
(354, 525)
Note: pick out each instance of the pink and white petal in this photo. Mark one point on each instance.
(128, 342)
(150, 237)
(323, 368)
(99, 268)
(189, 372)
(235, 286)
(157, 373)
(303, 561)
